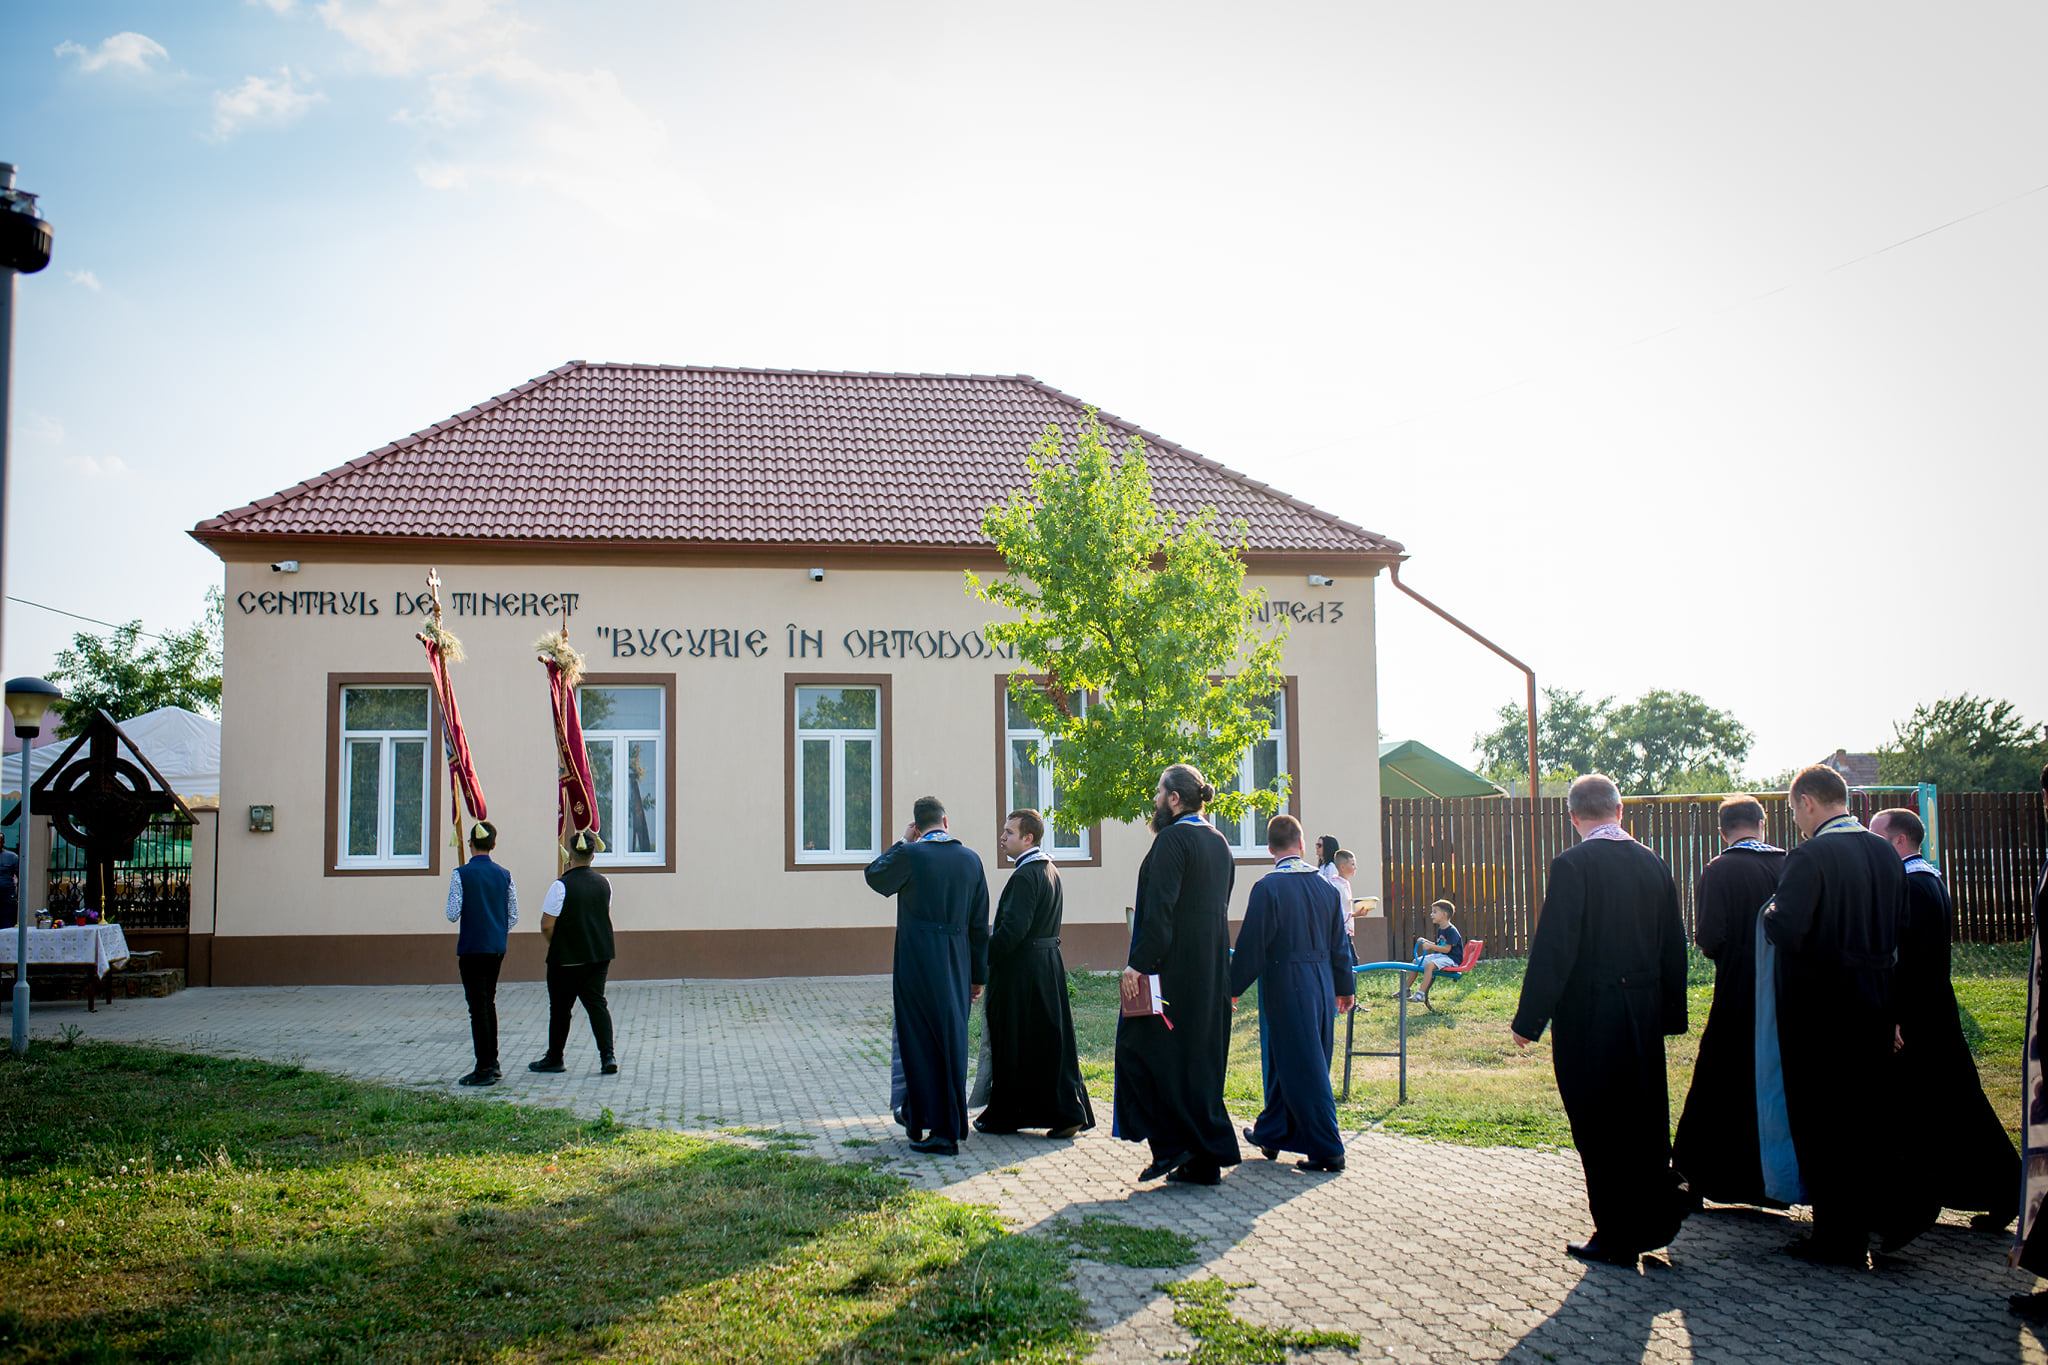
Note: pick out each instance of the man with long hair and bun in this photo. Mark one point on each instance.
(482, 899)
(576, 920)
(1169, 1068)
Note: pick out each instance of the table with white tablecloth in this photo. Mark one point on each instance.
(101, 947)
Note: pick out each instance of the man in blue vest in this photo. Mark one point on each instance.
(482, 899)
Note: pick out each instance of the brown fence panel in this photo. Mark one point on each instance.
(1475, 852)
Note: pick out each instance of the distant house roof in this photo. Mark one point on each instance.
(1410, 768)
(703, 456)
(1858, 770)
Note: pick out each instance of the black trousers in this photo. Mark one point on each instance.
(480, 988)
(567, 985)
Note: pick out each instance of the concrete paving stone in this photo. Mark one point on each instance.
(1476, 1271)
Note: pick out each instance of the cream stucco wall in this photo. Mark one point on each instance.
(729, 744)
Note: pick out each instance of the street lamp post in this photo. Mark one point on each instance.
(25, 241)
(27, 700)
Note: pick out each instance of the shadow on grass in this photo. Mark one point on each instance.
(168, 1207)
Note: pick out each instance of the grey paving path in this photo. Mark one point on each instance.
(1472, 1269)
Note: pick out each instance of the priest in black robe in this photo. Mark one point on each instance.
(1292, 944)
(1834, 928)
(1965, 1155)
(1169, 1080)
(1035, 1071)
(1717, 1148)
(1607, 969)
(941, 967)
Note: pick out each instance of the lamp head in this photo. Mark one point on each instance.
(27, 700)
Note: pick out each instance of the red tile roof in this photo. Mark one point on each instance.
(690, 455)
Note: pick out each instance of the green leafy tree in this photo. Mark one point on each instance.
(1966, 744)
(1117, 596)
(1661, 742)
(113, 673)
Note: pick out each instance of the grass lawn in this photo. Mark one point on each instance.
(1466, 1081)
(160, 1206)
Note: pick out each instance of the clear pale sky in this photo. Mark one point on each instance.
(1589, 305)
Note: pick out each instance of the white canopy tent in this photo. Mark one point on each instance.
(182, 745)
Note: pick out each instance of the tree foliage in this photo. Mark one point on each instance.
(1661, 742)
(112, 673)
(1965, 744)
(1146, 609)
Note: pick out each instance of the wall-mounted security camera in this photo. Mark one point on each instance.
(817, 575)
(1316, 580)
(285, 566)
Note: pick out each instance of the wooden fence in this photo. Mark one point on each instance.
(1475, 852)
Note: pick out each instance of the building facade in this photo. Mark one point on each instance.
(765, 574)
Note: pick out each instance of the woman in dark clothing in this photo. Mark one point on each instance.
(1036, 1070)
(577, 923)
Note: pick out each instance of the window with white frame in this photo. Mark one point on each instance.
(839, 773)
(1259, 769)
(384, 777)
(622, 735)
(1027, 759)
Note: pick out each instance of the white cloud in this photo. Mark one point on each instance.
(113, 467)
(404, 36)
(37, 429)
(131, 51)
(86, 278)
(261, 98)
(276, 6)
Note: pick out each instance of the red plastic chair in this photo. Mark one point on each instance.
(1466, 964)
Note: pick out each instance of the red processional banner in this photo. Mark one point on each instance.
(454, 743)
(572, 763)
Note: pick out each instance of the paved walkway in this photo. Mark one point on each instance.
(1472, 1271)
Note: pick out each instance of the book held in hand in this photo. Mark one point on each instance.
(1141, 997)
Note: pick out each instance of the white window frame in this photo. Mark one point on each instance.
(612, 824)
(387, 802)
(1253, 826)
(1048, 793)
(836, 784)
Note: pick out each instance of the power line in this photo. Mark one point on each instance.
(90, 620)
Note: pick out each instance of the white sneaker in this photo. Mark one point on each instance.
(1415, 997)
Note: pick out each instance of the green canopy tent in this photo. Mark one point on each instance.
(1410, 768)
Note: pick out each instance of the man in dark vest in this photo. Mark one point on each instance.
(1607, 966)
(576, 920)
(1965, 1156)
(940, 969)
(482, 899)
(1717, 1149)
(1169, 1080)
(1035, 1070)
(1834, 930)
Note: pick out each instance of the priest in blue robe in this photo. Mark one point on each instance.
(941, 968)
(1293, 945)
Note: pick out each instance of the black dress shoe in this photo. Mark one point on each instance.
(1071, 1130)
(1318, 1165)
(1816, 1252)
(547, 1064)
(480, 1076)
(1592, 1250)
(1164, 1165)
(936, 1147)
(1270, 1153)
(1191, 1174)
(981, 1127)
(2033, 1306)
(609, 1067)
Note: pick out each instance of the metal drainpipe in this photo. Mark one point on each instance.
(1535, 781)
